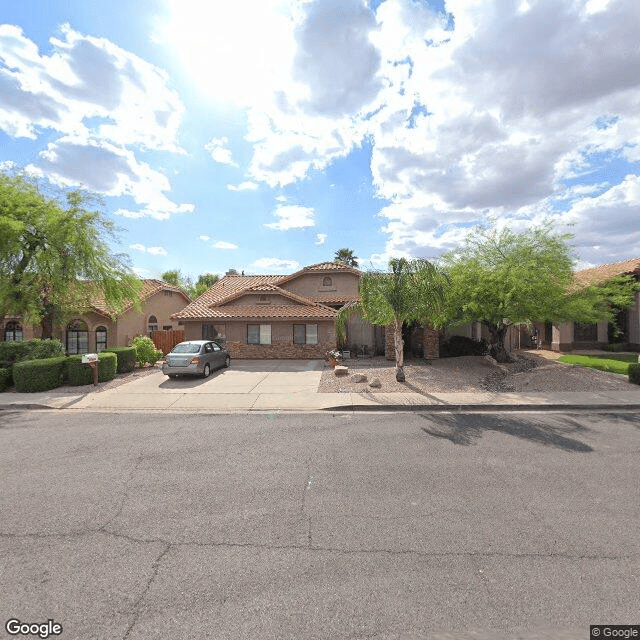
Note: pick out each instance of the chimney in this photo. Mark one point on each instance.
(231, 272)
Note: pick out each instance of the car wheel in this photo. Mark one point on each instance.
(206, 371)
(227, 361)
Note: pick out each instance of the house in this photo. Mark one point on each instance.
(96, 329)
(278, 316)
(574, 335)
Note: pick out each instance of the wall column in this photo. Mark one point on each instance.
(431, 343)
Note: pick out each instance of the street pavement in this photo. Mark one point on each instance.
(280, 385)
(320, 526)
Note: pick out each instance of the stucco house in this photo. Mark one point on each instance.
(277, 316)
(573, 335)
(96, 329)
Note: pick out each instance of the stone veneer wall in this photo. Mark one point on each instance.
(279, 350)
(431, 343)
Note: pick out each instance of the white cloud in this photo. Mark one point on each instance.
(157, 251)
(276, 265)
(217, 148)
(86, 86)
(224, 245)
(204, 238)
(154, 251)
(321, 238)
(292, 217)
(243, 186)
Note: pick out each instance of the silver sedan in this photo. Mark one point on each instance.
(196, 357)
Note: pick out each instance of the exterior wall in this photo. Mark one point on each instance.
(281, 339)
(360, 333)
(134, 323)
(93, 321)
(431, 343)
(562, 336)
(465, 330)
(311, 284)
(28, 331)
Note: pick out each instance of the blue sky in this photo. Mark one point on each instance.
(263, 135)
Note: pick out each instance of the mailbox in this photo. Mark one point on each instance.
(89, 357)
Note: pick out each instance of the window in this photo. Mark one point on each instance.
(208, 348)
(77, 337)
(263, 299)
(209, 332)
(13, 332)
(305, 334)
(167, 327)
(168, 293)
(216, 347)
(152, 324)
(258, 334)
(101, 339)
(327, 281)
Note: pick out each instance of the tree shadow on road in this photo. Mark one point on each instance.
(467, 428)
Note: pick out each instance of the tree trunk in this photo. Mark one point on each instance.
(398, 344)
(46, 324)
(497, 334)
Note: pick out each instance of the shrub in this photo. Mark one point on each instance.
(80, 373)
(6, 379)
(39, 375)
(35, 349)
(634, 373)
(146, 351)
(457, 346)
(616, 348)
(126, 357)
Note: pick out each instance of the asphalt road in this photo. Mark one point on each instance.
(273, 526)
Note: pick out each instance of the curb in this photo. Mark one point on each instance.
(484, 408)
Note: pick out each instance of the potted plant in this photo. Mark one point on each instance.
(333, 357)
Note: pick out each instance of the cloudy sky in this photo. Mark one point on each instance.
(263, 135)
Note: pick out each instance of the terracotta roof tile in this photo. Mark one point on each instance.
(272, 312)
(604, 272)
(335, 298)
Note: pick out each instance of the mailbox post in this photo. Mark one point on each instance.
(92, 360)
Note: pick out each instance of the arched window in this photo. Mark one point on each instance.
(101, 339)
(152, 324)
(77, 337)
(327, 281)
(13, 332)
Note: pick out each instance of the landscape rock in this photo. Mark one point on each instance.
(375, 383)
(358, 377)
(340, 370)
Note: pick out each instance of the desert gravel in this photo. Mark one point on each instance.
(529, 372)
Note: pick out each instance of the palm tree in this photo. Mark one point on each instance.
(411, 290)
(345, 256)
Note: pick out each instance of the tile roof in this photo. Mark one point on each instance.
(271, 312)
(329, 266)
(150, 287)
(604, 272)
(335, 298)
(261, 288)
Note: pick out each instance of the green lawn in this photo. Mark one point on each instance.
(612, 363)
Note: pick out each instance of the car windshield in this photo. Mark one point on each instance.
(186, 347)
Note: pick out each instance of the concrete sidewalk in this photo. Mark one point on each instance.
(256, 392)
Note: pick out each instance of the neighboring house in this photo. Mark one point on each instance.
(573, 335)
(96, 329)
(269, 316)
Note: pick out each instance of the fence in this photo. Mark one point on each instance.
(166, 340)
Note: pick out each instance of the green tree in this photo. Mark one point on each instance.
(345, 256)
(412, 290)
(54, 256)
(205, 280)
(499, 278)
(176, 278)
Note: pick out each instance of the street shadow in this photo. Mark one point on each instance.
(466, 429)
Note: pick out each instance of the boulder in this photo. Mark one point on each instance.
(340, 370)
(358, 377)
(375, 383)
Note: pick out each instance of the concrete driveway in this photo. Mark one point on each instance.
(246, 384)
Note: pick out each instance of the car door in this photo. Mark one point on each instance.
(208, 355)
(218, 354)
